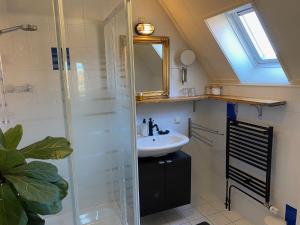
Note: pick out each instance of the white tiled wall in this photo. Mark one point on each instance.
(26, 59)
(100, 99)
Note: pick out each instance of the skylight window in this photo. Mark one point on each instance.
(246, 46)
(252, 35)
(258, 36)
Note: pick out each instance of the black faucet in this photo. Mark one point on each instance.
(151, 126)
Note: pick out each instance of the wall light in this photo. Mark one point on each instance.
(144, 29)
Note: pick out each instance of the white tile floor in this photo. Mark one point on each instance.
(210, 210)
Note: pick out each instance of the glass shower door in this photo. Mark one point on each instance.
(100, 110)
(87, 97)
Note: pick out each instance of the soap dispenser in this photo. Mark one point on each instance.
(144, 128)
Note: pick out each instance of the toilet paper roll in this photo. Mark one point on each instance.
(270, 220)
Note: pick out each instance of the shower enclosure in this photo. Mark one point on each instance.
(72, 76)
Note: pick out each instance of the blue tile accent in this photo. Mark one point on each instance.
(55, 63)
(290, 215)
(231, 111)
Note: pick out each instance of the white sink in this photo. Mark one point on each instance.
(160, 145)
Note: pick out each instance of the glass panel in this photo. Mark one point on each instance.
(258, 36)
(33, 95)
(101, 111)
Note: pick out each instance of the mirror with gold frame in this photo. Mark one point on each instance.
(151, 57)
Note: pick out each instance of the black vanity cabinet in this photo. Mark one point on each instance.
(164, 182)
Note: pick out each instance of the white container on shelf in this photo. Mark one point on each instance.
(213, 90)
(208, 90)
(216, 90)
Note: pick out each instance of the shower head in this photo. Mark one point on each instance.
(24, 27)
(29, 27)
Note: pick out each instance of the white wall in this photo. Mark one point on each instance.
(285, 178)
(285, 172)
(285, 169)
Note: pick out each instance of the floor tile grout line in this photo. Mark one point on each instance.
(186, 220)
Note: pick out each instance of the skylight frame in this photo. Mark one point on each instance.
(242, 34)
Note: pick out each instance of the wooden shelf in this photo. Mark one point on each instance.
(225, 98)
(249, 101)
(172, 99)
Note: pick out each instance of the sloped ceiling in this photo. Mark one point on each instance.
(281, 20)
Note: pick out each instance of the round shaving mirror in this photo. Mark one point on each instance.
(187, 58)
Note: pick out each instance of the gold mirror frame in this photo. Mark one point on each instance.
(165, 41)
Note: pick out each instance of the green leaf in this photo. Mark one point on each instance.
(2, 140)
(10, 159)
(11, 211)
(49, 148)
(38, 170)
(13, 137)
(63, 187)
(34, 219)
(34, 190)
(43, 209)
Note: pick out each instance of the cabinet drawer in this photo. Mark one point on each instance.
(164, 182)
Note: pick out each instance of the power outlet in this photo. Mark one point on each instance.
(177, 120)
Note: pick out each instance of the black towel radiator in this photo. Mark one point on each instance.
(251, 145)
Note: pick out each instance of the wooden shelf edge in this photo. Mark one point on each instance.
(246, 100)
(172, 99)
(225, 98)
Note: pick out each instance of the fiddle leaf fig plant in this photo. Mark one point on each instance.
(29, 190)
